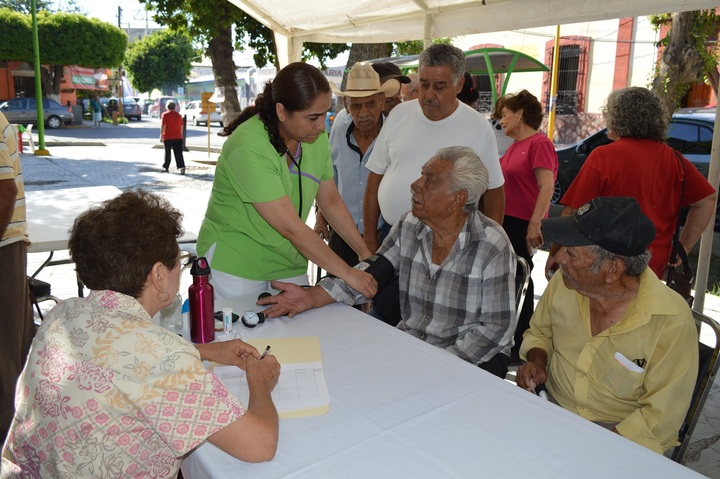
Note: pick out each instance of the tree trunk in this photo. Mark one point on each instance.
(51, 81)
(681, 64)
(220, 52)
(365, 51)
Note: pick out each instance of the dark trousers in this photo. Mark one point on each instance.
(516, 230)
(498, 365)
(177, 147)
(342, 249)
(17, 326)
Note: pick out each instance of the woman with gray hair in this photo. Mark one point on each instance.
(640, 165)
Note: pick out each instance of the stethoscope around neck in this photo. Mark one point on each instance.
(297, 160)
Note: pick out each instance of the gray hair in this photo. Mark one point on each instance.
(634, 265)
(468, 173)
(438, 55)
(635, 112)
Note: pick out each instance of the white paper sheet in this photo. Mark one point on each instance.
(301, 386)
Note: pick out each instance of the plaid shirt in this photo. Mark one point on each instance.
(468, 306)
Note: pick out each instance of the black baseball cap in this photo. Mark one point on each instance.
(388, 70)
(614, 223)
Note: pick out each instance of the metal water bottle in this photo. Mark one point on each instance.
(202, 303)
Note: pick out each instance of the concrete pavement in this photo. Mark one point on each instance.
(129, 164)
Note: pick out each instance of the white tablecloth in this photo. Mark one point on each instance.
(404, 409)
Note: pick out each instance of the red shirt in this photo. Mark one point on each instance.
(648, 171)
(173, 123)
(518, 166)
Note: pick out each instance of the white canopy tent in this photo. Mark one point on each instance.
(379, 21)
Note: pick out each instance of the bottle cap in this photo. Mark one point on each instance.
(200, 267)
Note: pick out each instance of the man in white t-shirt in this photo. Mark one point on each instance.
(416, 129)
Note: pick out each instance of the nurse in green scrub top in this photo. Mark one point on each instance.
(274, 164)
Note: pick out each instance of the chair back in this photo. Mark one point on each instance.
(522, 280)
(707, 370)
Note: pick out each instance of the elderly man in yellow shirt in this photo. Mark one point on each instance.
(613, 343)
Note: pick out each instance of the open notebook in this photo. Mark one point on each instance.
(301, 390)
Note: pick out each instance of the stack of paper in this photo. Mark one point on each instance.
(301, 389)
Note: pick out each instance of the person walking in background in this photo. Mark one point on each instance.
(172, 137)
(16, 320)
(530, 166)
(96, 110)
(639, 164)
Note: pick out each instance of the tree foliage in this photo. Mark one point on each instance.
(65, 39)
(160, 60)
(415, 47)
(688, 57)
(25, 6)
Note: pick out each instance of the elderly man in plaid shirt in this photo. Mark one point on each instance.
(456, 267)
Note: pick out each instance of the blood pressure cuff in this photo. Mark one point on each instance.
(377, 266)
(386, 303)
(380, 268)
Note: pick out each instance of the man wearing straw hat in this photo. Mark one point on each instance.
(351, 140)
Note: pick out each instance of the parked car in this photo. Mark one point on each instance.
(24, 111)
(689, 133)
(131, 109)
(158, 107)
(195, 114)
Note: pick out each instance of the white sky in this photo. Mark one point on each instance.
(133, 12)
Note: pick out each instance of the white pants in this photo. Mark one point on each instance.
(229, 286)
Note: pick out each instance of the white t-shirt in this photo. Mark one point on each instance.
(408, 140)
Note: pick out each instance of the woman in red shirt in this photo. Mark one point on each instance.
(530, 166)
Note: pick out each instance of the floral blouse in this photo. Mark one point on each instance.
(108, 393)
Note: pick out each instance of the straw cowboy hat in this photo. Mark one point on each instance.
(364, 81)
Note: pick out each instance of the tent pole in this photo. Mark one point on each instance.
(554, 86)
(706, 240)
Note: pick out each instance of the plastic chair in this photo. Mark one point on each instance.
(28, 132)
(522, 280)
(707, 370)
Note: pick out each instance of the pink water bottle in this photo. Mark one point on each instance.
(202, 303)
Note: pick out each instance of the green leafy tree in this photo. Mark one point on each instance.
(25, 6)
(160, 60)
(65, 39)
(688, 57)
(213, 24)
(415, 47)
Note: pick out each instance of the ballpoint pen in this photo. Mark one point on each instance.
(265, 352)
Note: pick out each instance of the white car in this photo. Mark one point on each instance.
(195, 115)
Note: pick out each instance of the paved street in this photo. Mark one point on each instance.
(127, 157)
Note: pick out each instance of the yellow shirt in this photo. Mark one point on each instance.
(10, 170)
(657, 332)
